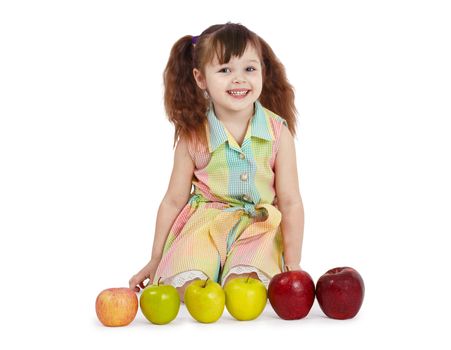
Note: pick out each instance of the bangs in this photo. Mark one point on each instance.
(230, 41)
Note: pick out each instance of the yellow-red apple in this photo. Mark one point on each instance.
(116, 306)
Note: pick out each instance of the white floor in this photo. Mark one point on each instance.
(74, 325)
(370, 329)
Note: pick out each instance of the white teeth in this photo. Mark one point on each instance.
(238, 93)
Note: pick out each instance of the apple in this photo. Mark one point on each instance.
(340, 292)
(245, 298)
(205, 300)
(160, 303)
(291, 294)
(116, 306)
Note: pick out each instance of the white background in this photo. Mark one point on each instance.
(86, 154)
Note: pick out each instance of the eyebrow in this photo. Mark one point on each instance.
(225, 64)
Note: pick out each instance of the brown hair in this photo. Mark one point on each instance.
(184, 101)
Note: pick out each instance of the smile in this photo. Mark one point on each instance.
(238, 92)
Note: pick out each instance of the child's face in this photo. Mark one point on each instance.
(233, 86)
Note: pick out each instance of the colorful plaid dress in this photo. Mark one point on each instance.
(231, 222)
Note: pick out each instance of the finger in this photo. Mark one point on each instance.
(133, 281)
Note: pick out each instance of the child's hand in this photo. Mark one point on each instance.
(292, 267)
(147, 272)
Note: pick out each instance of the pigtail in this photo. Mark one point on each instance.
(183, 100)
(277, 93)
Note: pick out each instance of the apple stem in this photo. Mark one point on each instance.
(287, 268)
(205, 284)
(158, 283)
(248, 276)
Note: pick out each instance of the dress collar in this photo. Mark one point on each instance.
(258, 127)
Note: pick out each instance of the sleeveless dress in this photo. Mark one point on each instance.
(231, 223)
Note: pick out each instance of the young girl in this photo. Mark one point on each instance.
(234, 115)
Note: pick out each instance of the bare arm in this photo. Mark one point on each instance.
(289, 200)
(174, 200)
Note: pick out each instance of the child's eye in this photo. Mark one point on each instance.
(250, 69)
(224, 70)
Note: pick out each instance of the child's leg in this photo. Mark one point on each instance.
(181, 290)
(246, 271)
(183, 279)
(235, 275)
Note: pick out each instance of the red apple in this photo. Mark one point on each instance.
(340, 292)
(116, 306)
(291, 294)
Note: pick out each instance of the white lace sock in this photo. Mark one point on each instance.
(181, 278)
(243, 269)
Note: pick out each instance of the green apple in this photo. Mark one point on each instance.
(160, 303)
(245, 298)
(205, 300)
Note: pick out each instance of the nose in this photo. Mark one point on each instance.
(239, 79)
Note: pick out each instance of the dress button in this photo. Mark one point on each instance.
(243, 177)
(242, 156)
